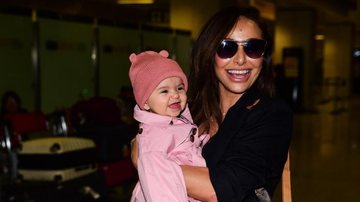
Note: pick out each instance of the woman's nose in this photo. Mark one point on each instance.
(240, 56)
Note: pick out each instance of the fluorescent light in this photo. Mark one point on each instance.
(319, 37)
(135, 1)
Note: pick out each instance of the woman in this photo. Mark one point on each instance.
(230, 98)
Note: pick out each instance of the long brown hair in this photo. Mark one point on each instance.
(204, 97)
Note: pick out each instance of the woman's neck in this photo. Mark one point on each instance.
(227, 100)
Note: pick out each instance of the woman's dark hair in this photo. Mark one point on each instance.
(204, 95)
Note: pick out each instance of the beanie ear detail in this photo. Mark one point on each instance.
(164, 53)
(132, 57)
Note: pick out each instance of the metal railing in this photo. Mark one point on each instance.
(334, 90)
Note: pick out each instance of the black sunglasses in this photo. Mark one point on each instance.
(254, 48)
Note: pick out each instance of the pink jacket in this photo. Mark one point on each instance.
(164, 144)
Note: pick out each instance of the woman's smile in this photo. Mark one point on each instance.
(238, 75)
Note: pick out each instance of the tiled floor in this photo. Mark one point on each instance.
(325, 154)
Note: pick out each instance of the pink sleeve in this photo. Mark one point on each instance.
(161, 179)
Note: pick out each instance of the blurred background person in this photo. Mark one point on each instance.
(11, 103)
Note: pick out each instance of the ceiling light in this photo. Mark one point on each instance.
(135, 1)
(319, 37)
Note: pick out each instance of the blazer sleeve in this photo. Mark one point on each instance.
(255, 154)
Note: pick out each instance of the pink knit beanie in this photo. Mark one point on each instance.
(148, 69)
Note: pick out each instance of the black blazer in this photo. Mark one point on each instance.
(250, 148)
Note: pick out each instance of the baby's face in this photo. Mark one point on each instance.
(169, 97)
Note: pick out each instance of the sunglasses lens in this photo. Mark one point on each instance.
(227, 49)
(254, 48)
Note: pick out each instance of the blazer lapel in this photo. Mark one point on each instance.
(234, 120)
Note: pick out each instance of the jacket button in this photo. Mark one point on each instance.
(140, 130)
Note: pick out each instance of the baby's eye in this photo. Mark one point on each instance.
(164, 91)
(181, 88)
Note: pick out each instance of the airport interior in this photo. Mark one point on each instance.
(66, 64)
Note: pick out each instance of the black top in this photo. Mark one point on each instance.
(250, 148)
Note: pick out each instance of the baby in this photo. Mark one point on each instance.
(167, 136)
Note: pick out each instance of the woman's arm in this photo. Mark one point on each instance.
(197, 180)
(198, 184)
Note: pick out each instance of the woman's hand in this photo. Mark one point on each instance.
(134, 151)
(198, 184)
